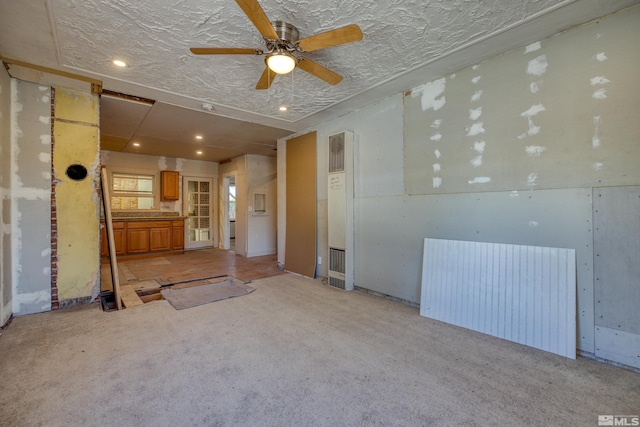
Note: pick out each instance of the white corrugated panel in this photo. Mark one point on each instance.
(525, 294)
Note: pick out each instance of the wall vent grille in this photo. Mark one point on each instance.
(336, 153)
(337, 260)
(336, 283)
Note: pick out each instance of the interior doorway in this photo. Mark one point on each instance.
(198, 207)
(229, 213)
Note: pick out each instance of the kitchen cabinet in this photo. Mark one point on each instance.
(144, 236)
(177, 235)
(138, 241)
(170, 185)
(119, 239)
(160, 238)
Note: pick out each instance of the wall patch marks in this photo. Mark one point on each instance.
(532, 47)
(480, 180)
(529, 114)
(538, 66)
(431, 94)
(476, 127)
(595, 140)
(475, 113)
(436, 181)
(534, 150)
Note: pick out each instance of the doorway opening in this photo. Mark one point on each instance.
(229, 213)
(232, 213)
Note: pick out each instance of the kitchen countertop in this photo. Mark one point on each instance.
(147, 218)
(131, 218)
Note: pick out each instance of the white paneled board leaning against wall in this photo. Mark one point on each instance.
(525, 294)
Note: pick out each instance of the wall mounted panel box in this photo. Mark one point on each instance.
(340, 211)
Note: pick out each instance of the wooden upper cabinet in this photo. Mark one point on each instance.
(170, 183)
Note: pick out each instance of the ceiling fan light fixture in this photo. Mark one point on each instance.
(281, 62)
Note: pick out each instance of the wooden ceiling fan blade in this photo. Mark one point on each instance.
(319, 71)
(224, 51)
(265, 79)
(256, 14)
(338, 36)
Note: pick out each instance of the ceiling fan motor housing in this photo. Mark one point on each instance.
(287, 32)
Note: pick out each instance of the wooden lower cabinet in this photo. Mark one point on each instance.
(138, 241)
(139, 237)
(177, 236)
(119, 237)
(160, 239)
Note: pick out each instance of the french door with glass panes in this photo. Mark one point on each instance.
(199, 224)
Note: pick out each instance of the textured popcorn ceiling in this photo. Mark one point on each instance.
(405, 43)
(155, 36)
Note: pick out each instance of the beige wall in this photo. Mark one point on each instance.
(236, 167)
(261, 229)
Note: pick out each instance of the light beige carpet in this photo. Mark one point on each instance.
(293, 353)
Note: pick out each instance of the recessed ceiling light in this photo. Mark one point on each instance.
(283, 108)
(136, 144)
(198, 136)
(119, 63)
(198, 152)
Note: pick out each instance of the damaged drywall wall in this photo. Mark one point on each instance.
(554, 114)
(510, 151)
(6, 308)
(76, 134)
(30, 197)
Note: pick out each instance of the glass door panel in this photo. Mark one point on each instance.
(199, 225)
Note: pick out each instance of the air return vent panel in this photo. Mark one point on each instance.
(336, 153)
(340, 200)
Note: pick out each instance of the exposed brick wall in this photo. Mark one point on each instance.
(55, 304)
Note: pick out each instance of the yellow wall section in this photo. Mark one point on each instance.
(77, 106)
(76, 142)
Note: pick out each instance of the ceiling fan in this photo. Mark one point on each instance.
(283, 49)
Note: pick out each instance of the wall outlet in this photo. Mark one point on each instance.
(319, 260)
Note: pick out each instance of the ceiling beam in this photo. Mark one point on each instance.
(96, 85)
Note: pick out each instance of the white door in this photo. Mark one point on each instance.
(199, 224)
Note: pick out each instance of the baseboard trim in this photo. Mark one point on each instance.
(589, 355)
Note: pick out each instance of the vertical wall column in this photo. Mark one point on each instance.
(76, 178)
(30, 193)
